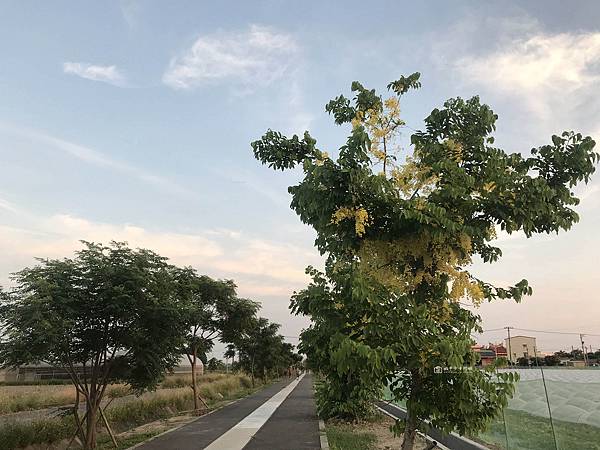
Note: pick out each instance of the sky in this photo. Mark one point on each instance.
(132, 121)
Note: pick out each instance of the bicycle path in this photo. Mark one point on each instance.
(281, 416)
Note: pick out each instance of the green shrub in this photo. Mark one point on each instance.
(160, 405)
(15, 435)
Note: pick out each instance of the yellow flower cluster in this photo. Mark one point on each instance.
(382, 126)
(360, 216)
(321, 158)
(407, 262)
(454, 150)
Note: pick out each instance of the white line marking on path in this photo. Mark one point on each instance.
(238, 436)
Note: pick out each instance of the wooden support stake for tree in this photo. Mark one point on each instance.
(78, 430)
(112, 436)
(203, 402)
(196, 411)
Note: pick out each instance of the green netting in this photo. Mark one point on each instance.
(575, 405)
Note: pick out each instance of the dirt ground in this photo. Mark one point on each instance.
(385, 438)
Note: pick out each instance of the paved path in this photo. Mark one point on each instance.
(281, 416)
(293, 426)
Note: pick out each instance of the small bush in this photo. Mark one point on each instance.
(117, 390)
(174, 382)
(15, 435)
(159, 405)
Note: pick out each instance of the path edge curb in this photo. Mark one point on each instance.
(323, 435)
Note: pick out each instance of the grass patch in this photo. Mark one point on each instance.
(343, 436)
(124, 443)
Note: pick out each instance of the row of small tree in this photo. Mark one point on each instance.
(115, 314)
(555, 358)
(399, 230)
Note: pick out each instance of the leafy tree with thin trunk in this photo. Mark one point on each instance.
(400, 228)
(215, 365)
(262, 351)
(109, 314)
(214, 311)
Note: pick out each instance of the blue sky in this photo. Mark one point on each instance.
(131, 120)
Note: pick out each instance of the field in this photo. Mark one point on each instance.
(574, 396)
(29, 414)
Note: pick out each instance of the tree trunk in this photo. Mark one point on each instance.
(410, 432)
(91, 420)
(412, 420)
(194, 382)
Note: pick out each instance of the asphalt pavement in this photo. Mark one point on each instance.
(292, 426)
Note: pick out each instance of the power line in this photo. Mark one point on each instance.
(555, 332)
(572, 333)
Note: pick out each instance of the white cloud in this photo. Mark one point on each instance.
(96, 158)
(259, 266)
(256, 57)
(106, 74)
(538, 68)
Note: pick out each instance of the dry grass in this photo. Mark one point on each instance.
(24, 398)
(131, 412)
(28, 398)
(183, 380)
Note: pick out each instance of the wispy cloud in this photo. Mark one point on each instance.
(96, 158)
(106, 74)
(256, 57)
(130, 10)
(7, 206)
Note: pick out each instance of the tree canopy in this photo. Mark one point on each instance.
(114, 314)
(108, 314)
(400, 228)
(214, 311)
(263, 351)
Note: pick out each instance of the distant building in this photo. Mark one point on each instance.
(43, 371)
(499, 349)
(575, 363)
(520, 347)
(488, 355)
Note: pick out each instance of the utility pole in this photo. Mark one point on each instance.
(583, 350)
(509, 346)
